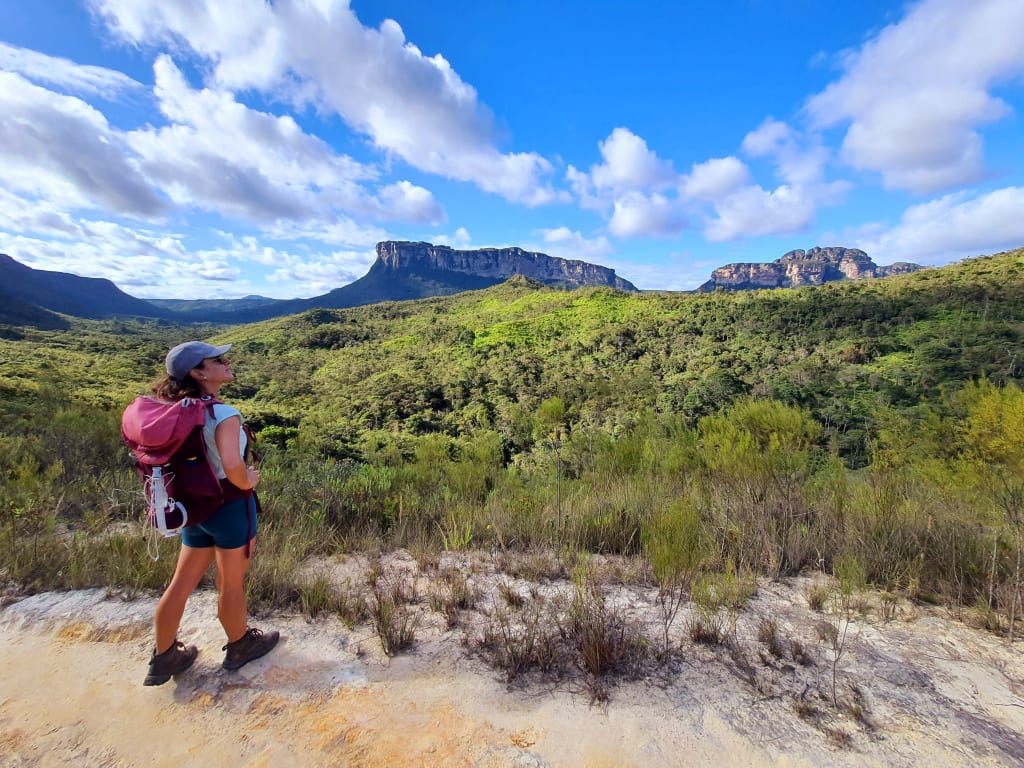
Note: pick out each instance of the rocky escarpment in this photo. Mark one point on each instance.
(798, 268)
(496, 264)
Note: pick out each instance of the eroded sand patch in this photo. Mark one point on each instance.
(71, 665)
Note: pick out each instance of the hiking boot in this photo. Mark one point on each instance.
(253, 644)
(175, 659)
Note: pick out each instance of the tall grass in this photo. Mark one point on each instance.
(938, 513)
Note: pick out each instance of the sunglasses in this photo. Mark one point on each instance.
(218, 359)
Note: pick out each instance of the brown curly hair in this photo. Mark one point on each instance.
(169, 388)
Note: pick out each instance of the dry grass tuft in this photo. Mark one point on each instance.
(394, 623)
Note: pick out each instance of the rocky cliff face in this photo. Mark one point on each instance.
(497, 264)
(798, 268)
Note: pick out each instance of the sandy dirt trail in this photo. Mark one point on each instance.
(71, 668)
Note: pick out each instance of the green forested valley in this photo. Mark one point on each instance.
(871, 428)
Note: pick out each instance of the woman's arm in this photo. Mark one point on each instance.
(230, 449)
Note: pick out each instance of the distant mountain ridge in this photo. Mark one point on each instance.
(798, 268)
(45, 292)
(402, 271)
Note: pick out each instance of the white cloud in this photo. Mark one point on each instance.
(629, 166)
(159, 264)
(341, 230)
(144, 265)
(321, 274)
(636, 186)
(800, 160)
(571, 244)
(461, 240)
(62, 73)
(60, 148)
(950, 228)
(239, 36)
(292, 272)
(638, 215)
(215, 154)
(753, 211)
(413, 106)
(18, 214)
(914, 104)
(630, 186)
(743, 208)
(222, 156)
(583, 189)
(219, 155)
(404, 201)
(715, 179)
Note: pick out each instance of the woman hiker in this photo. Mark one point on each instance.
(198, 370)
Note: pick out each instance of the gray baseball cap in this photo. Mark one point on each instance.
(187, 355)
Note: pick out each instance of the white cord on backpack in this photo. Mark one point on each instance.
(158, 505)
(152, 541)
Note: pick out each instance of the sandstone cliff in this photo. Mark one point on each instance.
(798, 268)
(497, 264)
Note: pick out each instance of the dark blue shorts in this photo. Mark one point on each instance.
(230, 527)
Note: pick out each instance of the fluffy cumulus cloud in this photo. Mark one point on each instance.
(716, 179)
(642, 196)
(742, 208)
(629, 166)
(410, 105)
(799, 160)
(637, 215)
(949, 228)
(631, 186)
(912, 105)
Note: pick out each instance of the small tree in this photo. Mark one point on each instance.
(994, 448)
(673, 544)
(550, 428)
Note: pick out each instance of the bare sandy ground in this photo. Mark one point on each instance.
(931, 691)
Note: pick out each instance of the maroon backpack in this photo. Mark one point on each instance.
(166, 441)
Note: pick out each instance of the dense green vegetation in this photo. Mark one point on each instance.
(877, 422)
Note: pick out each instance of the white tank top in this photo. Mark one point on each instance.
(221, 411)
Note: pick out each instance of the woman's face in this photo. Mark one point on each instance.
(216, 370)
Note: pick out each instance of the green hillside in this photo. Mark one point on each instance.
(487, 359)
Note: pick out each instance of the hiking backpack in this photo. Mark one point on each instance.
(166, 441)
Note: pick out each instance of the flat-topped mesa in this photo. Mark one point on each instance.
(798, 268)
(497, 263)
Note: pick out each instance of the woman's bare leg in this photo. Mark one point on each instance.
(192, 564)
(232, 565)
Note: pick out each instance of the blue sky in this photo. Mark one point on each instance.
(220, 148)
